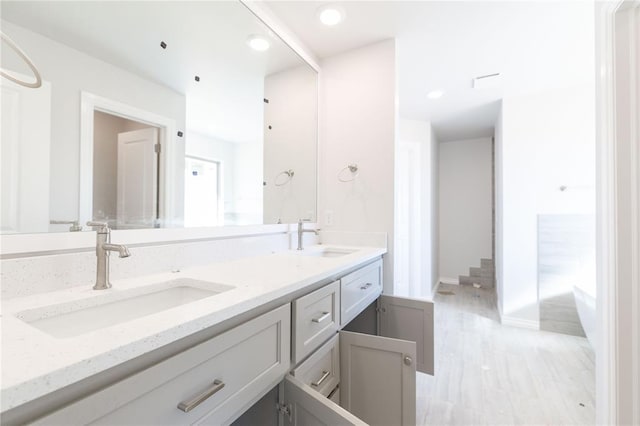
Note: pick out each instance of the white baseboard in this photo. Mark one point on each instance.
(519, 322)
(447, 280)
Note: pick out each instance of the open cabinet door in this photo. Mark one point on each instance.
(378, 378)
(409, 319)
(306, 407)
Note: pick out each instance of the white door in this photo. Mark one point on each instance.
(202, 193)
(378, 378)
(137, 188)
(306, 407)
(409, 319)
(24, 156)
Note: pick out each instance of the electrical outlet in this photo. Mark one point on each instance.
(328, 217)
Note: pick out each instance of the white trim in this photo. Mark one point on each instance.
(635, 208)
(617, 275)
(519, 322)
(90, 103)
(448, 280)
(605, 224)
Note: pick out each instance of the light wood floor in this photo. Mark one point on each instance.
(489, 374)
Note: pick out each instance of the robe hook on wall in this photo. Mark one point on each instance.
(353, 168)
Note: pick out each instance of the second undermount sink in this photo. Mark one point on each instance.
(327, 252)
(82, 316)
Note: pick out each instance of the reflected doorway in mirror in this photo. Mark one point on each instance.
(151, 193)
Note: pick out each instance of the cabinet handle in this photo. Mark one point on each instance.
(366, 286)
(325, 374)
(322, 317)
(189, 405)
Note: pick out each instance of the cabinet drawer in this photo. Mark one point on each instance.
(322, 370)
(315, 319)
(245, 360)
(358, 290)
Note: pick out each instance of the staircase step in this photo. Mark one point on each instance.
(475, 272)
(465, 280)
(487, 263)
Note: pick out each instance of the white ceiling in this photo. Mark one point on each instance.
(443, 45)
(207, 39)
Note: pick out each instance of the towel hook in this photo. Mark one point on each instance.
(353, 168)
(289, 175)
(19, 52)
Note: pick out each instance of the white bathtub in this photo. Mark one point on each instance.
(586, 305)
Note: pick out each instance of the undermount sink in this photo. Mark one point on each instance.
(82, 316)
(327, 252)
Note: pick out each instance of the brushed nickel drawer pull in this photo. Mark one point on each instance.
(322, 317)
(325, 374)
(189, 405)
(366, 286)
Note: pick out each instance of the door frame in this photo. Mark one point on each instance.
(89, 103)
(616, 358)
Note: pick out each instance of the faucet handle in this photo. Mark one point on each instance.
(104, 226)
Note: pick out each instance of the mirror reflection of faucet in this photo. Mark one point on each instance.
(103, 247)
(75, 226)
(301, 231)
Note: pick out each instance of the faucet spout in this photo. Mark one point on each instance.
(123, 251)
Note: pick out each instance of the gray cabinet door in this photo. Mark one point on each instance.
(306, 407)
(378, 378)
(409, 319)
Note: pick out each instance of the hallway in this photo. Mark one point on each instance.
(486, 373)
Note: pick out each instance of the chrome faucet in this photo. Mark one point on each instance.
(103, 247)
(301, 231)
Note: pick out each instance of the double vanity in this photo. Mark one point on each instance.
(295, 336)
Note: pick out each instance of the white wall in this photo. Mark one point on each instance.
(290, 143)
(247, 176)
(547, 141)
(357, 125)
(71, 72)
(464, 206)
(416, 220)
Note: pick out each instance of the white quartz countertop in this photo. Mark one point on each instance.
(35, 363)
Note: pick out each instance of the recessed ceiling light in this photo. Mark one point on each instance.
(258, 43)
(330, 15)
(435, 94)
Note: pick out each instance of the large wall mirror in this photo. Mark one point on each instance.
(153, 114)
